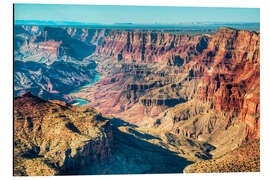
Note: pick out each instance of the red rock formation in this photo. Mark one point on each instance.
(233, 81)
(222, 69)
(58, 102)
(151, 47)
(51, 46)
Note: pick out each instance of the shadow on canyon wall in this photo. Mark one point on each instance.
(116, 122)
(132, 155)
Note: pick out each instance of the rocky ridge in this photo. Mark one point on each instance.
(51, 139)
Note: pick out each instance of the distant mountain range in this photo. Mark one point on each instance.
(38, 22)
(130, 25)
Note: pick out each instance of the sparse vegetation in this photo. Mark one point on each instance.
(246, 158)
(48, 138)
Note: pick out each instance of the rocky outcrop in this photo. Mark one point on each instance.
(57, 138)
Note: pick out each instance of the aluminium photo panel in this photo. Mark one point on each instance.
(110, 89)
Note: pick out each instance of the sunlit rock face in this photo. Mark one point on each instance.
(51, 139)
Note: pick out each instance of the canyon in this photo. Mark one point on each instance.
(178, 98)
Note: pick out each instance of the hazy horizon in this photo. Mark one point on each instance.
(108, 14)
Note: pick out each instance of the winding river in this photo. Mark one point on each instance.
(78, 101)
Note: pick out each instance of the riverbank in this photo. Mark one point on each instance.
(78, 101)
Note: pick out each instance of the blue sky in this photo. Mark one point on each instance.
(134, 14)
